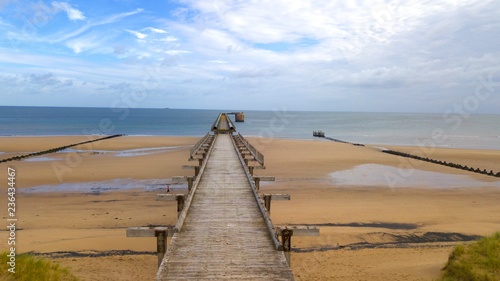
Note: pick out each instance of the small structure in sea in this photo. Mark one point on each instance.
(319, 134)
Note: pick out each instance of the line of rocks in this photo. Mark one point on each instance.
(321, 134)
(398, 241)
(444, 163)
(56, 149)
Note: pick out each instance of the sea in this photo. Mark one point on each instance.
(453, 130)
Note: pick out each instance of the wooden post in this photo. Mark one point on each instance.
(190, 183)
(267, 203)
(200, 161)
(268, 198)
(180, 198)
(196, 171)
(257, 183)
(161, 245)
(160, 232)
(250, 170)
(286, 240)
(180, 204)
(257, 180)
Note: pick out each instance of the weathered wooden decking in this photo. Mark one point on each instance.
(224, 235)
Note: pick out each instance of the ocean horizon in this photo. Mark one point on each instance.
(412, 129)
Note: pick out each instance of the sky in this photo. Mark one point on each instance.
(440, 56)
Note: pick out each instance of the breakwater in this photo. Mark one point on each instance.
(55, 149)
(444, 163)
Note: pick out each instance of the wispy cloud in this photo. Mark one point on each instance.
(73, 14)
(136, 34)
(156, 30)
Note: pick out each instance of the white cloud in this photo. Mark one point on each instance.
(137, 34)
(155, 30)
(73, 14)
(308, 53)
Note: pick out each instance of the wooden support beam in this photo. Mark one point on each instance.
(161, 245)
(269, 197)
(189, 180)
(160, 232)
(286, 233)
(301, 230)
(257, 180)
(146, 231)
(279, 197)
(178, 179)
(173, 197)
(196, 168)
(286, 241)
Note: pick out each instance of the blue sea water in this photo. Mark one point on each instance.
(443, 130)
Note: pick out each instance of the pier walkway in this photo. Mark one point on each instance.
(223, 233)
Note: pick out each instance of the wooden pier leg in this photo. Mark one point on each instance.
(196, 171)
(286, 240)
(267, 203)
(250, 169)
(180, 204)
(200, 161)
(257, 183)
(190, 183)
(161, 245)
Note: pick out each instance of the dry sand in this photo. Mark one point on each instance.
(366, 229)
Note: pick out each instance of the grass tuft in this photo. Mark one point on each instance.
(29, 267)
(478, 261)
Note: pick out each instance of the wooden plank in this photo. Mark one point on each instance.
(301, 230)
(168, 197)
(145, 231)
(178, 179)
(263, 178)
(223, 234)
(278, 197)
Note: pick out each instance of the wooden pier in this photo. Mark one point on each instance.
(224, 231)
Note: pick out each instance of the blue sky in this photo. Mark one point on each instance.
(397, 56)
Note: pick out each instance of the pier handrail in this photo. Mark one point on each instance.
(267, 219)
(198, 145)
(255, 153)
(230, 123)
(215, 125)
(187, 203)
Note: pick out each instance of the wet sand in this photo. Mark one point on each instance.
(370, 229)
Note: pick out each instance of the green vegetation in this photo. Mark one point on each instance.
(479, 261)
(29, 267)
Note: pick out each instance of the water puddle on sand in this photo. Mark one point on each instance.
(107, 186)
(381, 175)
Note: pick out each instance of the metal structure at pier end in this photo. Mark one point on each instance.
(224, 230)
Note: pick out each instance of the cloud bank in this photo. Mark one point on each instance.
(424, 56)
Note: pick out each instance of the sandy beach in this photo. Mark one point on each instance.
(381, 217)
